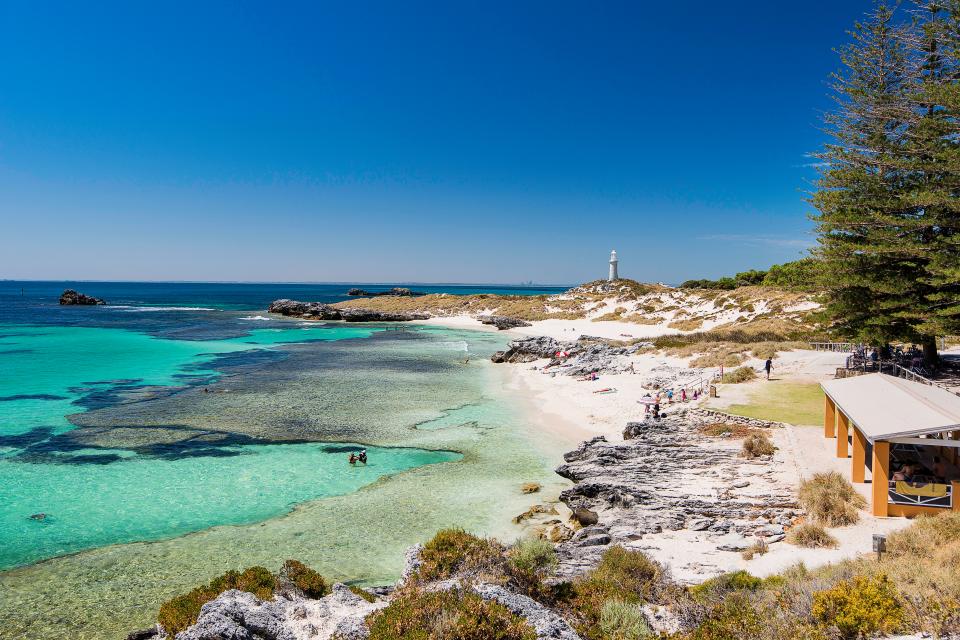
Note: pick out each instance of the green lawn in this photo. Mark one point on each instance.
(793, 402)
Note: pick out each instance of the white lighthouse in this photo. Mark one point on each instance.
(613, 266)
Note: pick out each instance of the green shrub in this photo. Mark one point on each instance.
(860, 607)
(453, 551)
(628, 576)
(732, 619)
(533, 555)
(310, 583)
(830, 500)
(620, 620)
(446, 615)
(738, 375)
(182, 611)
(757, 444)
(363, 593)
(715, 589)
(811, 535)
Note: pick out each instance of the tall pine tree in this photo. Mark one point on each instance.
(875, 268)
(934, 153)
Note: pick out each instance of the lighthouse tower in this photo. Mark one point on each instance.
(613, 267)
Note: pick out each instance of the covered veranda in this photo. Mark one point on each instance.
(905, 433)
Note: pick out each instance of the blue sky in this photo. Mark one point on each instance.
(387, 141)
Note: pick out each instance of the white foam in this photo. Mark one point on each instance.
(134, 309)
(255, 318)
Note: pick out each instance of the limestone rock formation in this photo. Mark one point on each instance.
(503, 322)
(581, 357)
(71, 297)
(546, 622)
(669, 477)
(530, 349)
(239, 615)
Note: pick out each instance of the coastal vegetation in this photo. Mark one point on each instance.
(912, 588)
(738, 375)
(180, 612)
(437, 615)
(799, 275)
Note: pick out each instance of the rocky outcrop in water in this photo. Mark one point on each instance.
(321, 311)
(503, 322)
(369, 315)
(396, 291)
(310, 310)
(71, 297)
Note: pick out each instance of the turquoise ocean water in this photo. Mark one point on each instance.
(188, 409)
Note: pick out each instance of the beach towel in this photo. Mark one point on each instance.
(920, 489)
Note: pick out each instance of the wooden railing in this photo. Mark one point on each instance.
(833, 346)
(944, 501)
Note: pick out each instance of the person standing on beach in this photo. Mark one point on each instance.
(768, 366)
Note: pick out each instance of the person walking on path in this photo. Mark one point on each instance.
(768, 366)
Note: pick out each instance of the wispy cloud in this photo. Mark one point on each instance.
(746, 239)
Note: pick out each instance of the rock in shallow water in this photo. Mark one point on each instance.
(503, 322)
(320, 311)
(71, 297)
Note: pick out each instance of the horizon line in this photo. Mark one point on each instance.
(309, 282)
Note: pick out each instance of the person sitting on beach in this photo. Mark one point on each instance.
(353, 458)
(904, 474)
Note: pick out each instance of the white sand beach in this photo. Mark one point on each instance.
(569, 409)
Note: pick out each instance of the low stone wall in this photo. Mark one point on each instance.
(843, 372)
(729, 418)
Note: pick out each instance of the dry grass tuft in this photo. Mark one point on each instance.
(830, 500)
(811, 535)
(686, 324)
(756, 445)
(758, 548)
(726, 430)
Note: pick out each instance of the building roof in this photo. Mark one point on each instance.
(884, 407)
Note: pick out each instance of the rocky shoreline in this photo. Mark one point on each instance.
(395, 291)
(668, 476)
